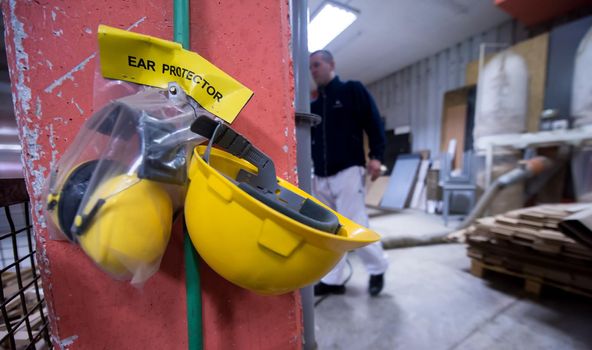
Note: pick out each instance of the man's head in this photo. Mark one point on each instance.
(322, 67)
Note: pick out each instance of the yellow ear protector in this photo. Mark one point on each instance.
(126, 222)
(254, 229)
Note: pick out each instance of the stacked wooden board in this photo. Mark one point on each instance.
(528, 243)
(404, 188)
(21, 304)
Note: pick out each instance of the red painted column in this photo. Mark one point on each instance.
(251, 43)
(52, 52)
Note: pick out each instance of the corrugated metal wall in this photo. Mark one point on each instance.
(414, 95)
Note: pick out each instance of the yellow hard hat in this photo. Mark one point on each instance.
(125, 224)
(266, 236)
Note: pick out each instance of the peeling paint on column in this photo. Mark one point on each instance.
(52, 145)
(29, 132)
(43, 261)
(32, 152)
(22, 61)
(59, 83)
(77, 106)
(70, 74)
(136, 23)
(38, 107)
(61, 120)
(64, 344)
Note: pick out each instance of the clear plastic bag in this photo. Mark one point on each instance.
(116, 188)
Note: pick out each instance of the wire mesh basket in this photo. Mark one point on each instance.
(25, 324)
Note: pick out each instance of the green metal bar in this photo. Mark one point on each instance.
(181, 22)
(194, 308)
(192, 280)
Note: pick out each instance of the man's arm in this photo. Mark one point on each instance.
(373, 127)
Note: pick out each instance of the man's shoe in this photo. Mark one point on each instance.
(376, 284)
(325, 289)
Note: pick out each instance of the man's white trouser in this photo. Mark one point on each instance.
(345, 193)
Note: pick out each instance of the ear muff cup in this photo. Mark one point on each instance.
(129, 233)
(310, 214)
(72, 193)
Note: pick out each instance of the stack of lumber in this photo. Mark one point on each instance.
(15, 311)
(527, 243)
(404, 188)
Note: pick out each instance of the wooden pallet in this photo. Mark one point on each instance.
(532, 285)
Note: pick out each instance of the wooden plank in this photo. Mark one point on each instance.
(531, 284)
(477, 268)
(401, 182)
(375, 190)
(9, 277)
(532, 287)
(420, 184)
(454, 119)
(519, 243)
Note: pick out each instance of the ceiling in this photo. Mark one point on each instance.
(391, 34)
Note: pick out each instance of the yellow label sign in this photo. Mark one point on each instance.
(152, 61)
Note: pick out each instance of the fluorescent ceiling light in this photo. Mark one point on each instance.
(328, 23)
(8, 131)
(14, 148)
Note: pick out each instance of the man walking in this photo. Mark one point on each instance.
(347, 111)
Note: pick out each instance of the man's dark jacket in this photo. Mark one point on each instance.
(347, 110)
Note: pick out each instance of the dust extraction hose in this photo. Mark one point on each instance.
(525, 170)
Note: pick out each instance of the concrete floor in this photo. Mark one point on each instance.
(432, 302)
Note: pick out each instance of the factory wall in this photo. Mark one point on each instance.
(413, 96)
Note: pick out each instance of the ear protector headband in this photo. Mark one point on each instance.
(263, 185)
